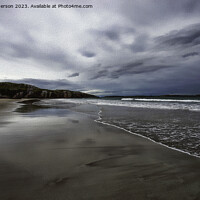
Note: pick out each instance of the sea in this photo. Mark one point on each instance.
(172, 122)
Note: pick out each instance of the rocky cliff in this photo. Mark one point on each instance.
(18, 91)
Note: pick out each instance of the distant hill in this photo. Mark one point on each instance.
(18, 91)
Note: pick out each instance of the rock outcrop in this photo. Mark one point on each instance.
(18, 91)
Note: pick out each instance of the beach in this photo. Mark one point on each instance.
(65, 153)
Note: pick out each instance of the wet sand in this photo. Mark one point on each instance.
(62, 154)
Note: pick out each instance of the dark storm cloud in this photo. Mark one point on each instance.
(108, 34)
(190, 54)
(140, 45)
(181, 81)
(87, 54)
(128, 69)
(100, 74)
(20, 43)
(152, 12)
(106, 39)
(191, 6)
(132, 69)
(189, 36)
(73, 75)
(29, 50)
(113, 33)
(18, 49)
(122, 70)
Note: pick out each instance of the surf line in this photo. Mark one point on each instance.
(105, 123)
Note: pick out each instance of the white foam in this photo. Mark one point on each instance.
(134, 104)
(100, 118)
(127, 99)
(170, 100)
(149, 105)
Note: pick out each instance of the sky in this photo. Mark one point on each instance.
(129, 47)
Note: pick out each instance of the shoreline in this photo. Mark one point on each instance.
(53, 153)
(159, 143)
(32, 101)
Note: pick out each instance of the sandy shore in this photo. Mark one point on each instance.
(59, 154)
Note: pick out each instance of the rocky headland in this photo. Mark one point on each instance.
(19, 91)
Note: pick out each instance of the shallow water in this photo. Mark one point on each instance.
(179, 129)
(172, 122)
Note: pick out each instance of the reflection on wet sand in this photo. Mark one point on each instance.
(51, 153)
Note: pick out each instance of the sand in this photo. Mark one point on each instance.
(62, 154)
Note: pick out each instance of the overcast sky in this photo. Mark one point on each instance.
(118, 47)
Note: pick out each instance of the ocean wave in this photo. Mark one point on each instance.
(133, 104)
(150, 105)
(170, 100)
(127, 99)
(180, 138)
(140, 135)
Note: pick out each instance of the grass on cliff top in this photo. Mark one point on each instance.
(16, 86)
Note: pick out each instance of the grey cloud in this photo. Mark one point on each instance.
(132, 69)
(73, 75)
(128, 69)
(49, 55)
(151, 12)
(191, 6)
(190, 54)
(124, 66)
(140, 43)
(106, 39)
(187, 36)
(113, 33)
(17, 41)
(178, 82)
(100, 74)
(110, 34)
(88, 54)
